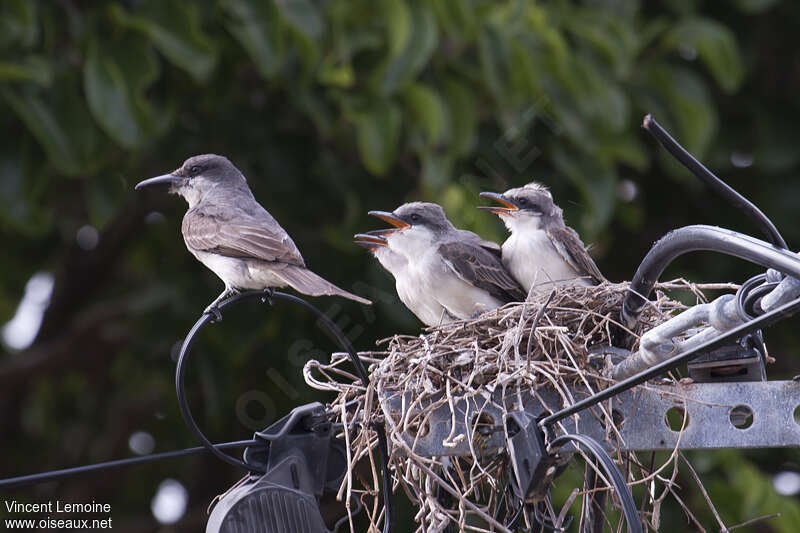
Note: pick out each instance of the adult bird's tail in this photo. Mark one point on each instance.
(304, 281)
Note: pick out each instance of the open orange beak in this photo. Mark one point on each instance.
(370, 238)
(509, 207)
(391, 218)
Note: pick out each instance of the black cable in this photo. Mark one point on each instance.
(613, 473)
(717, 185)
(695, 238)
(271, 295)
(55, 475)
(743, 295)
(763, 321)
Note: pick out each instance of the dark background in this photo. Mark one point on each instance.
(332, 108)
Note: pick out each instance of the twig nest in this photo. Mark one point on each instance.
(444, 396)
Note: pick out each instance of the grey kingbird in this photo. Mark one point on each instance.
(408, 284)
(542, 250)
(452, 266)
(228, 231)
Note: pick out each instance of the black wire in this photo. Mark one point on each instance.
(271, 295)
(183, 403)
(55, 475)
(614, 476)
(709, 178)
(743, 294)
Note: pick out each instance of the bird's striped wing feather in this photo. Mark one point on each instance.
(240, 236)
(570, 247)
(481, 268)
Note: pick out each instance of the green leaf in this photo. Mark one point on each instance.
(115, 78)
(612, 36)
(437, 169)
(595, 181)
(682, 105)
(42, 122)
(377, 136)
(18, 23)
(34, 69)
(256, 26)
(462, 106)
(456, 18)
(494, 54)
(427, 110)
(755, 6)
(398, 23)
(404, 66)
(716, 47)
(303, 16)
(20, 195)
(336, 73)
(174, 27)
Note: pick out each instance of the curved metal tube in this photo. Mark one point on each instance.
(617, 482)
(344, 343)
(696, 238)
(659, 343)
(709, 178)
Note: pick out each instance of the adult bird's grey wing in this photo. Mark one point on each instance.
(481, 268)
(234, 233)
(260, 237)
(570, 247)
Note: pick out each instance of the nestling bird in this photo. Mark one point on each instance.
(542, 250)
(452, 268)
(409, 287)
(228, 231)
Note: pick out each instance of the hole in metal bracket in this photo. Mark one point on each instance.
(741, 416)
(674, 418)
(414, 428)
(483, 424)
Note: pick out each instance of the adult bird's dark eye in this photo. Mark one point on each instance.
(194, 171)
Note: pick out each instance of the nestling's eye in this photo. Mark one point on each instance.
(415, 217)
(194, 170)
(523, 201)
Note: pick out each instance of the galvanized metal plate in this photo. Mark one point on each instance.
(641, 416)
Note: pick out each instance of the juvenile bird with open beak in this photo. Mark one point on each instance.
(451, 269)
(409, 288)
(541, 250)
(228, 231)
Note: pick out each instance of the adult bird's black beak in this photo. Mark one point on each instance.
(166, 179)
(509, 207)
(391, 218)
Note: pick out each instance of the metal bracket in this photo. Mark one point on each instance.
(718, 415)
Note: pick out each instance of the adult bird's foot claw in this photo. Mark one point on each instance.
(269, 292)
(213, 310)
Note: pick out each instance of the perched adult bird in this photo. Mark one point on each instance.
(452, 267)
(228, 231)
(408, 284)
(541, 250)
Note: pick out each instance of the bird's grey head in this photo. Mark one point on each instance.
(416, 226)
(528, 207)
(201, 177)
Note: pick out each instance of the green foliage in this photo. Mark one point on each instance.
(332, 108)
